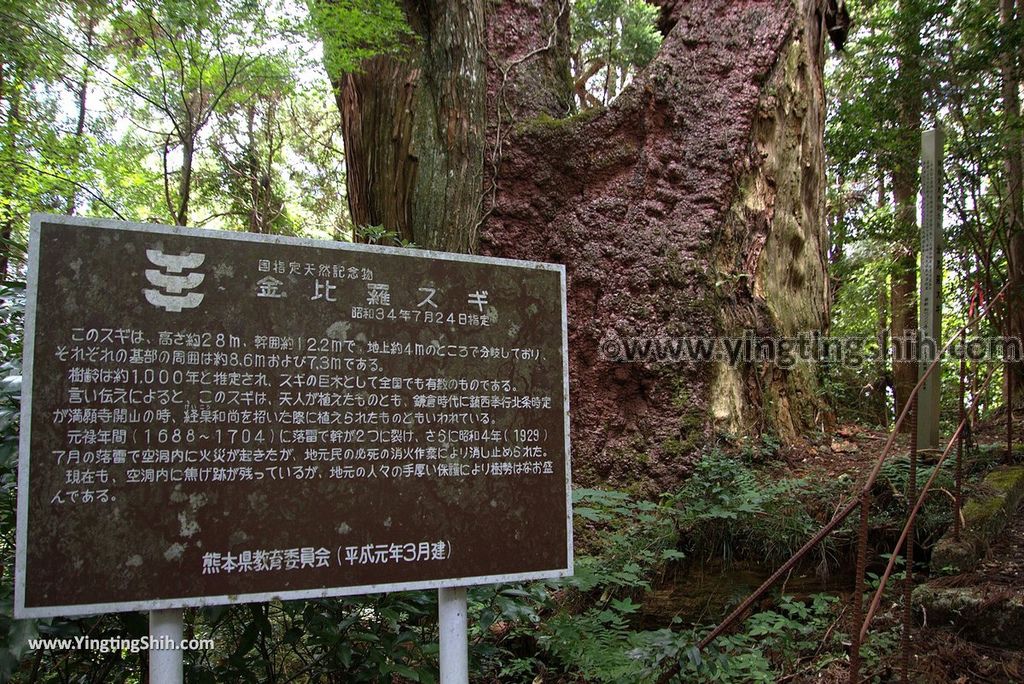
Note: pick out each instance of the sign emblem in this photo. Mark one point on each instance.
(173, 280)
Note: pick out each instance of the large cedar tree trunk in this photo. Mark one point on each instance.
(692, 205)
(414, 130)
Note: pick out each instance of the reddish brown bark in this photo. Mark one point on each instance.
(82, 95)
(643, 202)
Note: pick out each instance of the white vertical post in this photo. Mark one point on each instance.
(930, 311)
(451, 614)
(166, 666)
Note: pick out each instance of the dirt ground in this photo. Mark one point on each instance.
(940, 656)
(948, 658)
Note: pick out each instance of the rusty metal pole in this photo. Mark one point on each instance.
(958, 485)
(908, 554)
(858, 587)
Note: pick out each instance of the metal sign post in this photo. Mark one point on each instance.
(930, 312)
(451, 614)
(166, 627)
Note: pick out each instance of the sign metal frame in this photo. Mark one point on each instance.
(22, 611)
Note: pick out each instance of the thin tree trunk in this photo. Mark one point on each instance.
(905, 185)
(882, 380)
(1013, 207)
(903, 303)
(82, 96)
(7, 228)
(185, 181)
(253, 171)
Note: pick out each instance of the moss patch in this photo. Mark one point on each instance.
(674, 447)
(971, 611)
(984, 517)
(544, 125)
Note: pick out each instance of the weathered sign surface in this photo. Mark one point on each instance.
(212, 417)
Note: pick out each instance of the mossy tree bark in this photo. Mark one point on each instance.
(691, 206)
(414, 129)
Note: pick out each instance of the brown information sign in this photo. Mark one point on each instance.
(211, 417)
